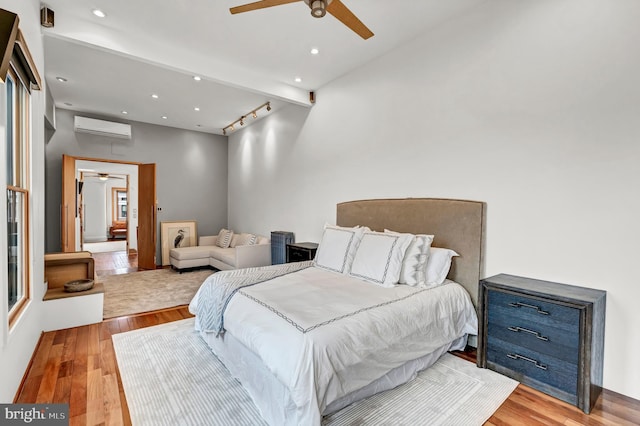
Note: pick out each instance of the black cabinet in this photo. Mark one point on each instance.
(546, 335)
(298, 252)
(279, 241)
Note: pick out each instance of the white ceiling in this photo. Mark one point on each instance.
(142, 47)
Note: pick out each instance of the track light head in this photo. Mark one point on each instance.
(253, 113)
(268, 107)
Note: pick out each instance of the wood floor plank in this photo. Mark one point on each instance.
(29, 391)
(60, 336)
(95, 398)
(62, 393)
(50, 374)
(42, 356)
(70, 344)
(107, 358)
(112, 407)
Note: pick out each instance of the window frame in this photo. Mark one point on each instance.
(18, 182)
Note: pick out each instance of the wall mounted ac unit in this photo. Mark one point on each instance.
(101, 127)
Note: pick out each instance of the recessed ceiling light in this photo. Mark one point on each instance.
(298, 80)
(154, 96)
(164, 117)
(197, 78)
(99, 13)
(315, 51)
(68, 104)
(125, 112)
(196, 109)
(61, 79)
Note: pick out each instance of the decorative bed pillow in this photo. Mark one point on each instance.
(414, 264)
(224, 238)
(243, 239)
(337, 248)
(379, 257)
(438, 265)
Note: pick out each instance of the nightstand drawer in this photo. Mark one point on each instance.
(505, 306)
(546, 369)
(546, 340)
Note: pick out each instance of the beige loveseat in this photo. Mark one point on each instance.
(207, 253)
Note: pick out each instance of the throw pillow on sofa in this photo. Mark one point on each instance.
(224, 238)
(244, 239)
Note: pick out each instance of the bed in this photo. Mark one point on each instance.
(308, 339)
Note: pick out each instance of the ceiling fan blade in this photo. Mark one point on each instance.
(259, 5)
(344, 15)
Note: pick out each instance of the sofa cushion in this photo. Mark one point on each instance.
(226, 255)
(187, 253)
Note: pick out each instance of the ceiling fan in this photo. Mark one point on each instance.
(101, 176)
(318, 9)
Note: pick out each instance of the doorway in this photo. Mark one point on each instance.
(140, 197)
(103, 209)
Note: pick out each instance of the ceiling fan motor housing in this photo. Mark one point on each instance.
(318, 7)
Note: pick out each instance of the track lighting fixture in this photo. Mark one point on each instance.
(241, 120)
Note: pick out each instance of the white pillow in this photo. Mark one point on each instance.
(224, 238)
(243, 239)
(438, 265)
(414, 264)
(337, 248)
(379, 257)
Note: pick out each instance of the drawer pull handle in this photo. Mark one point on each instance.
(526, 330)
(524, 305)
(524, 358)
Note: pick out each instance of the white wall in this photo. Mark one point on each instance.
(95, 211)
(17, 344)
(530, 106)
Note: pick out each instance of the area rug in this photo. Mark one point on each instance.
(146, 291)
(171, 377)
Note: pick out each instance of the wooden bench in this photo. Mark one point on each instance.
(118, 230)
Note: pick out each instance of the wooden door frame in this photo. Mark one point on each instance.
(70, 197)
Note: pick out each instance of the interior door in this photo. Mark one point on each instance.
(68, 207)
(147, 219)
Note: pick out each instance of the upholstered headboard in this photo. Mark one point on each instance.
(456, 224)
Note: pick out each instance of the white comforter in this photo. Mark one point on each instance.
(324, 335)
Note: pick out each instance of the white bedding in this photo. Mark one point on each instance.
(324, 335)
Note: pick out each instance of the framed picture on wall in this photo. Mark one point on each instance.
(177, 234)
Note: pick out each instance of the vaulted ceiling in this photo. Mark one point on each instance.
(112, 65)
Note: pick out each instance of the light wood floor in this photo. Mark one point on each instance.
(78, 366)
(115, 262)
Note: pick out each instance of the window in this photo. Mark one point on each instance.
(17, 159)
(119, 203)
